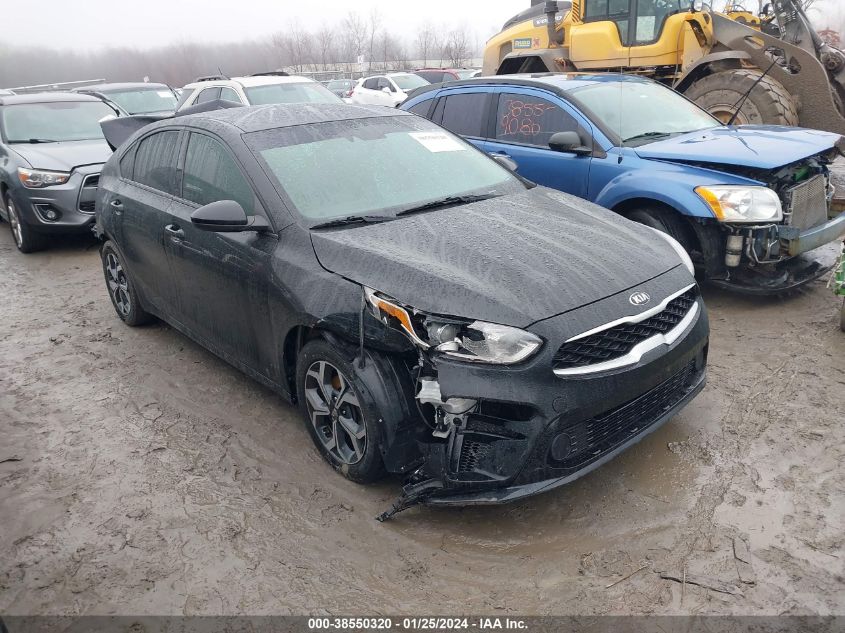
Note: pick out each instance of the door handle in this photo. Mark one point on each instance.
(175, 231)
(117, 205)
(502, 154)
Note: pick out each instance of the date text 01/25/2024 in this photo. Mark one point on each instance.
(416, 624)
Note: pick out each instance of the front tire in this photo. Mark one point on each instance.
(122, 292)
(26, 239)
(769, 103)
(340, 415)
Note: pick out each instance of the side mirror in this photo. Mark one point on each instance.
(226, 216)
(505, 161)
(569, 142)
(386, 89)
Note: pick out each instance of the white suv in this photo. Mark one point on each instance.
(259, 89)
(390, 89)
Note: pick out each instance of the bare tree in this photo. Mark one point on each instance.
(326, 39)
(375, 21)
(456, 47)
(425, 42)
(354, 31)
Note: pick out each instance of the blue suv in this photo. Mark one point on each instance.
(746, 202)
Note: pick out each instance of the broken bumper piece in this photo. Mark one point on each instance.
(534, 430)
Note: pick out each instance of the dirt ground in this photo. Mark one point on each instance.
(139, 474)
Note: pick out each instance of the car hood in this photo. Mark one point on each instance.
(758, 146)
(512, 260)
(63, 156)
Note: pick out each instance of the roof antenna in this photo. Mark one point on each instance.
(220, 72)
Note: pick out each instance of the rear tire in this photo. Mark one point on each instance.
(340, 414)
(122, 292)
(768, 104)
(26, 239)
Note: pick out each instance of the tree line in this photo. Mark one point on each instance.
(336, 47)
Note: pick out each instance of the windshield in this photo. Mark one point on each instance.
(304, 92)
(375, 166)
(642, 112)
(144, 100)
(408, 82)
(339, 84)
(59, 121)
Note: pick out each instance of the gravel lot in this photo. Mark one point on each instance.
(139, 474)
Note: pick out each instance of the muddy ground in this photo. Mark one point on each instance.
(139, 474)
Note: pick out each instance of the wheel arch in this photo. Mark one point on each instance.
(713, 63)
(627, 207)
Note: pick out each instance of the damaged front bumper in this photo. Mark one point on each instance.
(772, 259)
(534, 430)
(799, 242)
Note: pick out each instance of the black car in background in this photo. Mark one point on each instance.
(432, 313)
(135, 98)
(51, 152)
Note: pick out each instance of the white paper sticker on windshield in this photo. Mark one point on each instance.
(437, 142)
(164, 94)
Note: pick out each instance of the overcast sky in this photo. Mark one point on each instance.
(83, 24)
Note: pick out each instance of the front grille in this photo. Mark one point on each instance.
(618, 341)
(589, 440)
(88, 193)
(807, 203)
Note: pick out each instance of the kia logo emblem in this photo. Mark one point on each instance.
(639, 298)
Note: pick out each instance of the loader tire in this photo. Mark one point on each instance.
(768, 104)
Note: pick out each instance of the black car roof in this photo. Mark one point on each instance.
(267, 117)
(118, 87)
(45, 97)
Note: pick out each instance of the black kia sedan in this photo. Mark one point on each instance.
(432, 313)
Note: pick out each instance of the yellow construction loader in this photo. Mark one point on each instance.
(743, 68)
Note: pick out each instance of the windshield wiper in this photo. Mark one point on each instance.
(353, 219)
(34, 141)
(640, 137)
(448, 201)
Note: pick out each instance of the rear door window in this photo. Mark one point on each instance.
(228, 94)
(211, 174)
(155, 161)
(209, 94)
(371, 83)
(422, 108)
(529, 120)
(465, 114)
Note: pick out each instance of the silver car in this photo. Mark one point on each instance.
(51, 153)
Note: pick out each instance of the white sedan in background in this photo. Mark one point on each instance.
(389, 89)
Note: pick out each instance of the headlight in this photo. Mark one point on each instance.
(680, 250)
(36, 178)
(742, 204)
(475, 341)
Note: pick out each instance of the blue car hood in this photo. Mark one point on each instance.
(758, 146)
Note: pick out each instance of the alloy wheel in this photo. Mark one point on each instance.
(118, 285)
(335, 412)
(14, 222)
